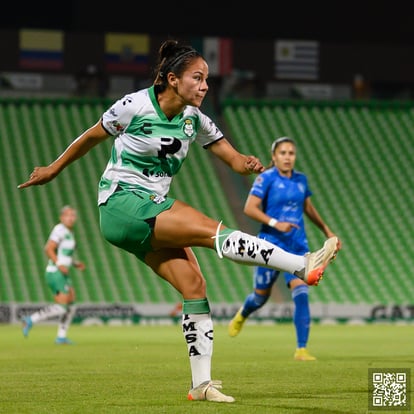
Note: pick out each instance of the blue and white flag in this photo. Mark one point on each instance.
(297, 59)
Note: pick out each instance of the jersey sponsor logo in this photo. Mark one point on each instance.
(157, 199)
(151, 173)
(146, 128)
(169, 146)
(117, 126)
(258, 180)
(126, 101)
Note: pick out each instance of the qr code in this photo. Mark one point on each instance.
(390, 389)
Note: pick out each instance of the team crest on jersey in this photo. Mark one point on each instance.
(188, 127)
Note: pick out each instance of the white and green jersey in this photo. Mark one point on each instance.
(150, 149)
(65, 240)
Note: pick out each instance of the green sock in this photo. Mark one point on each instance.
(196, 306)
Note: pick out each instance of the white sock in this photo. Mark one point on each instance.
(48, 312)
(198, 333)
(65, 321)
(247, 249)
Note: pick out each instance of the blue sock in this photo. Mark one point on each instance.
(301, 317)
(253, 302)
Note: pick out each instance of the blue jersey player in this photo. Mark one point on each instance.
(279, 199)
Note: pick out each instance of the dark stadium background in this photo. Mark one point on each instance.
(375, 39)
(356, 21)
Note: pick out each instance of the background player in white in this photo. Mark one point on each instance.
(60, 249)
(278, 199)
(153, 129)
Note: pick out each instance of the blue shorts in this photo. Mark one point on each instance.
(264, 278)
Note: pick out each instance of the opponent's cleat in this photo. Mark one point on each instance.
(317, 262)
(302, 354)
(27, 325)
(208, 391)
(236, 324)
(63, 341)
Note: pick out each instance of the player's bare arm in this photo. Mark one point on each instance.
(79, 147)
(240, 163)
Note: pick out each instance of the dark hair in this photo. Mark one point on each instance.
(275, 144)
(280, 140)
(172, 57)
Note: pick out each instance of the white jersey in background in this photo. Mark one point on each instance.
(65, 241)
(149, 149)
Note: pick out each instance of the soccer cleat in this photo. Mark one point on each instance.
(208, 391)
(63, 341)
(317, 262)
(302, 354)
(236, 324)
(27, 325)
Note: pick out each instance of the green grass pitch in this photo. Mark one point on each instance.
(144, 369)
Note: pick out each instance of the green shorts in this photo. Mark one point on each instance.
(58, 282)
(127, 220)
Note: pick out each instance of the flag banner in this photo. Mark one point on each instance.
(128, 53)
(41, 49)
(218, 53)
(297, 60)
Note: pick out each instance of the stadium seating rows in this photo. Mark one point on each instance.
(357, 157)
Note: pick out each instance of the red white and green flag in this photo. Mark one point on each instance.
(218, 52)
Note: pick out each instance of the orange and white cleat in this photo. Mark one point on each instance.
(318, 261)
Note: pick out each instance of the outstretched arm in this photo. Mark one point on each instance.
(79, 147)
(240, 163)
